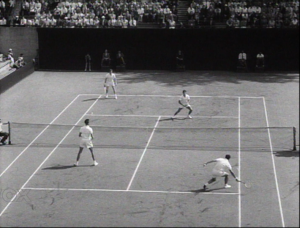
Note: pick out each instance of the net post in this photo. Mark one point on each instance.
(294, 139)
(9, 133)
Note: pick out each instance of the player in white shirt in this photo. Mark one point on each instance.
(110, 80)
(86, 134)
(221, 169)
(184, 101)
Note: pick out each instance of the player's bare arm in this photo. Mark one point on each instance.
(232, 173)
(209, 162)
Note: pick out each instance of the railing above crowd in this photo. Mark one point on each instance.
(165, 13)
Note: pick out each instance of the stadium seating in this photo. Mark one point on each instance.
(5, 69)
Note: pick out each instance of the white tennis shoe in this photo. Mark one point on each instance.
(227, 186)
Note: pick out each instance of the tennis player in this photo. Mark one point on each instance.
(221, 169)
(184, 102)
(110, 80)
(4, 135)
(86, 134)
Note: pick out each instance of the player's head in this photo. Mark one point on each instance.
(110, 70)
(227, 156)
(87, 121)
(184, 91)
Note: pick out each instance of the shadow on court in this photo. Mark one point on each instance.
(64, 167)
(91, 99)
(207, 77)
(172, 119)
(287, 153)
(197, 191)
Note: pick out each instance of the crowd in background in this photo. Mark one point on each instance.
(246, 13)
(94, 14)
(128, 13)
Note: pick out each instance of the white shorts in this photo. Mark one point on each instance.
(87, 143)
(186, 106)
(110, 84)
(219, 173)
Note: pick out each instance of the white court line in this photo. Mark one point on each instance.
(136, 191)
(239, 162)
(13, 198)
(150, 95)
(40, 134)
(274, 167)
(143, 154)
(156, 116)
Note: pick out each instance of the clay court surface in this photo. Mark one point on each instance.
(150, 171)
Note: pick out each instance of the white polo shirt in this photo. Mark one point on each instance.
(86, 132)
(185, 100)
(110, 79)
(222, 165)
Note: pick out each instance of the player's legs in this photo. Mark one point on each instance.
(93, 157)
(226, 181)
(179, 109)
(86, 65)
(190, 111)
(213, 179)
(114, 89)
(90, 67)
(4, 136)
(107, 87)
(78, 155)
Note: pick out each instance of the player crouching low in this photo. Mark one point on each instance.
(221, 169)
(184, 101)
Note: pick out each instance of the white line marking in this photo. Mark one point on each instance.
(239, 162)
(274, 167)
(156, 116)
(46, 159)
(143, 154)
(40, 134)
(150, 95)
(136, 191)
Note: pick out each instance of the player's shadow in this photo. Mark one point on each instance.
(197, 191)
(91, 99)
(64, 167)
(172, 119)
(291, 153)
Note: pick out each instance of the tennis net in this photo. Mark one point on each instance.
(171, 138)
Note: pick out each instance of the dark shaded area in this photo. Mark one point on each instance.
(287, 153)
(205, 77)
(15, 77)
(57, 167)
(156, 49)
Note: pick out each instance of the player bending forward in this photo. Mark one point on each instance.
(184, 101)
(110, 80)
(86, 134)
(221, 169)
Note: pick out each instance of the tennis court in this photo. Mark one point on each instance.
(150, 169)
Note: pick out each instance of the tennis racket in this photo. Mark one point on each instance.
(247, 184)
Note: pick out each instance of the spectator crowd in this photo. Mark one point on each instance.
(128, 13)
(246, 13)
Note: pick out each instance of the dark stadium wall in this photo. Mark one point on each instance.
(204, 49)
(21, 40)
(145, 49)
